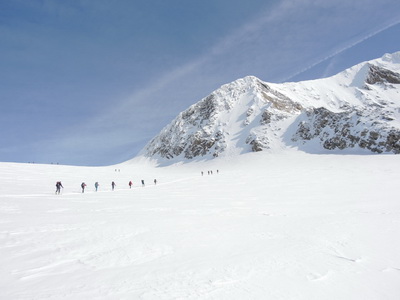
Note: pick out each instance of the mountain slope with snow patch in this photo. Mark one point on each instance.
(355, 111)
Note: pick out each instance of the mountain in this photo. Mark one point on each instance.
(355, 111)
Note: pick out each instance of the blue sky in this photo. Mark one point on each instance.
(91, 82)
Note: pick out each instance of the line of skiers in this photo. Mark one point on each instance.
(209, 172)
(97, 185)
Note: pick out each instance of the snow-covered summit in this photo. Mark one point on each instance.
(356, 110)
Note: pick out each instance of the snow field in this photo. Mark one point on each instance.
(268, 226)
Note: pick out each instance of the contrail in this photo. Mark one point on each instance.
(351, 45)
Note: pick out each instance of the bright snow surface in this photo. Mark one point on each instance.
(267, 226)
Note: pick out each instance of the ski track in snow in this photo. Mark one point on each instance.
(268, 226)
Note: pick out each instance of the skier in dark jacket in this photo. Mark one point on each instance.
(83, 185)
(58, 187)
(130, 184)
(113, 185)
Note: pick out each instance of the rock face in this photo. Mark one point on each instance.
(380, 75)
(356, 110)
(349, 129)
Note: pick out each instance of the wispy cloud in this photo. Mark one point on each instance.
(275, 26)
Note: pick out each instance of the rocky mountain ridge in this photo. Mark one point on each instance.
(356, 110)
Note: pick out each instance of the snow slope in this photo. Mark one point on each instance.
(267, 226)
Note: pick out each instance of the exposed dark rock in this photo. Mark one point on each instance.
(380, 75)
(207, 107)
(256, 146)
(266, 117)
(340, 131)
